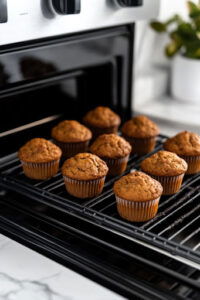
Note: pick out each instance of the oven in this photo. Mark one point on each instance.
(59, 59)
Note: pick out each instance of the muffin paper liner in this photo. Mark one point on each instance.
(171, 184)
(140, 211)
(40, 171)
(116, 165)
(84, 188)
(193, 164)
(141, 146)
(71, 149)
(96, 131)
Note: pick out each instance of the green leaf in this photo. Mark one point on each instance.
(172, 48)
(193, 53)
(197, 22)
(194, 9)
(197, 53)
(175, 19)
(176, 37)
(158, 26)
(186, 31)
(185, 35)
(192, 49)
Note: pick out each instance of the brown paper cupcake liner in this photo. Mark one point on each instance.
(84, 188)
(116, 165)
(137, 211)
(171, 184)
(193, 164)
(71, 149)
(141, 146)
(96, 131)
(40, 171)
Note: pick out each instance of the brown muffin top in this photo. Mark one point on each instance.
(84, 166)
(102, 117)
(184, 143)
(71, 132)
(164, 163)
(39, 150)
(140, 127)
(137, 186)
(111, 146)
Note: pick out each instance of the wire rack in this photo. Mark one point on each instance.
(175, 228)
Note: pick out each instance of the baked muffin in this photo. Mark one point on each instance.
(186, 145)
(137, 196)
(84, 175)
(72, 137)
(141, 133)
(102, 120)
(166, 167)
(40, 158)
(114, 150)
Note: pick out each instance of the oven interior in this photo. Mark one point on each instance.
(62, 79)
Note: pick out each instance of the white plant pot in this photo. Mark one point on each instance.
(185, 85)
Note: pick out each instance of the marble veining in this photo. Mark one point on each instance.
(12, 288)
(28, 275)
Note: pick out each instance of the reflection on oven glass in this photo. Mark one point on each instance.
(3, 76)
(33, 67)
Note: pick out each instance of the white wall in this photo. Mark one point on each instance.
(169, 7)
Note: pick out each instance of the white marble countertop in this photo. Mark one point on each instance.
(172, 115)
(28, 275)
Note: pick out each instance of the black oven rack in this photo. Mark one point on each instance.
(142, 274)
(175, 228)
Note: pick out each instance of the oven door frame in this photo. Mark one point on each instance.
(102, 67)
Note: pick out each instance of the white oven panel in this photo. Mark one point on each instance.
(23, 20)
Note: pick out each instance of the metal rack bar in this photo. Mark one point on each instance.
(183, 217)
(186, 280)
(109, 223)
(102, 208)
(190, 236)
(166, 216)
(184, 227)
(196, 247)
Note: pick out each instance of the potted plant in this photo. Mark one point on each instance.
(184, 47)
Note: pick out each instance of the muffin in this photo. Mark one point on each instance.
(40, 158)
(137, 196)
(141, 133)
(84, 175)
(102, 120)
(167, 168)
(114, 150)
(72, 137)
(186, 145)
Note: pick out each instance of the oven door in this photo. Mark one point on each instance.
(62, 79)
